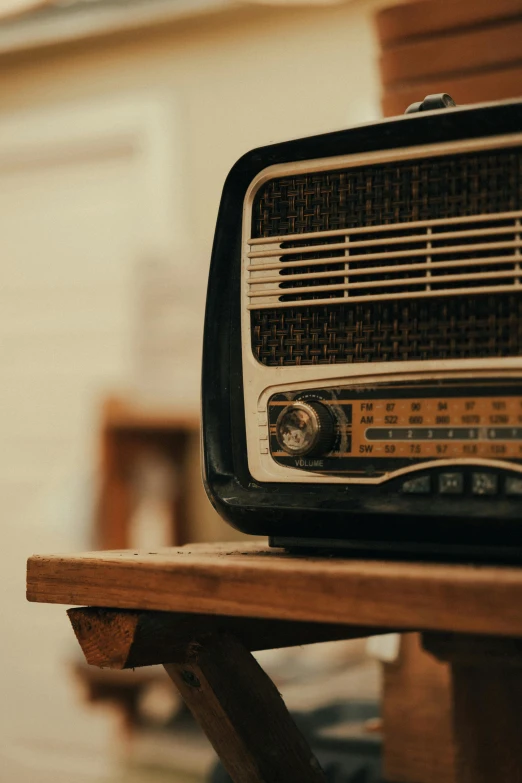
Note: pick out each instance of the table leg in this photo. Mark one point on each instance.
(242, 713)
(417, 717)
(231, 697)
(487, 704)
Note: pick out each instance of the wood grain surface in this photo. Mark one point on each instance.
(256, 581)
(242, 713)
(486, 675)
(417, 713)
(415, 61)
(467, 48)
(125, 639)
(425, 18)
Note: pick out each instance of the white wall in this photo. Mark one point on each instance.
(240, 80)
(69, 240)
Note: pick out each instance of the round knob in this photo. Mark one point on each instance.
(305, 428)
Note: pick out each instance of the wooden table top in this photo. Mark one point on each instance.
(252, 580)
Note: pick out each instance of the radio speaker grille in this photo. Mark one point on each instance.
(428, 269)
(401, 192)
(450, 328)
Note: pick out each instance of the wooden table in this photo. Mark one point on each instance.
(201, 609)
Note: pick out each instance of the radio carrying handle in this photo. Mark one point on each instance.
(440, 100)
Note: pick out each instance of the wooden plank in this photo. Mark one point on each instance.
(242, 714)
(123, 639)
(417, 717)
(452, 56)
(487, 705)
(429, 17)
(477, 88)
(256, 581)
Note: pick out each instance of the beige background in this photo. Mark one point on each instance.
(113, 153)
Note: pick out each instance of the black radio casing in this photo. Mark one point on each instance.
(361, 518)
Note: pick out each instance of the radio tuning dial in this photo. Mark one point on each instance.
(305, 428)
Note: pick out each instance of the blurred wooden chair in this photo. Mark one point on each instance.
(128, 432)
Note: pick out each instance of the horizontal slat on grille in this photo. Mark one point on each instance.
(430, 258)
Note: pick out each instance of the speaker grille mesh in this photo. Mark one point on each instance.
(450, 328)
(459, 326)
(427, 189)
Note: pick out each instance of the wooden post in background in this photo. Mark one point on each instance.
(417, 717)
(467, 48)
(486, 675)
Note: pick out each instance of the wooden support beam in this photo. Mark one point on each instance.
(417, 717)
(242, 713)
(486, 677)
(233, 700)
(124, 639)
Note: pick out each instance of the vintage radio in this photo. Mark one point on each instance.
(362, 370)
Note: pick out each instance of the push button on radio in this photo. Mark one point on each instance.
(484, 484)
(451, 483)
(417, 486)
(305, 428)
(513, 486)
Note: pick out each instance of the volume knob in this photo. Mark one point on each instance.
(305, 428)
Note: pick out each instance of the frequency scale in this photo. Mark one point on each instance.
(378, 432)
